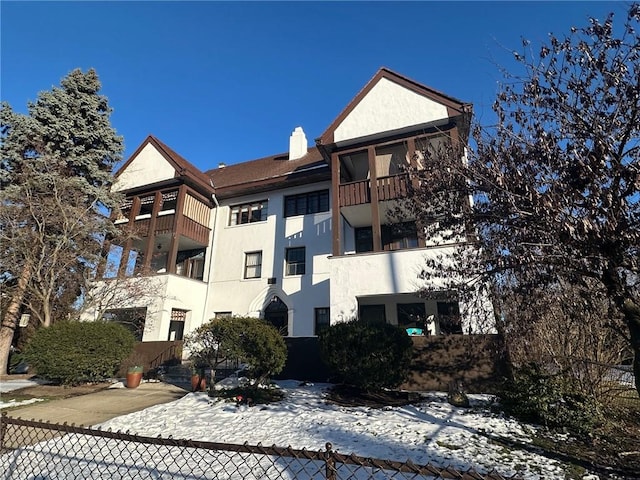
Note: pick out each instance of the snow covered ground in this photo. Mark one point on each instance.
(431, 432)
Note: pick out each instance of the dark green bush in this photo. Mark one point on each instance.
(368, 356)
(553, 400)
(76, 352)
(245, 339)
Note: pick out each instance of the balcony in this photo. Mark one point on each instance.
(165, 224)
(359, 192)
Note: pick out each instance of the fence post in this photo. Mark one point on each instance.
(330, 463)
(3, 429)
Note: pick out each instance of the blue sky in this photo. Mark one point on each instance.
(229, 81)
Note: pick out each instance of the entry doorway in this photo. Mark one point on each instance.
(277, 314)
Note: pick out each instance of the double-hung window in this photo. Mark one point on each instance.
(252, 264)
(248, 213)
(305, 203)
(295, 258)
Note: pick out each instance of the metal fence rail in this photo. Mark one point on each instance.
(31, 449)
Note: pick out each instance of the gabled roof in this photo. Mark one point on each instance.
(454, 106)
(267, 173)
(184, 169)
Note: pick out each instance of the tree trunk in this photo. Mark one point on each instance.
(10, 320)
(631, 313)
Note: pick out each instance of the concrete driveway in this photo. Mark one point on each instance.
(100, 406)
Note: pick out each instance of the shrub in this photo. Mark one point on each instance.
(75, 352)
(553, 400)
(245, 339)
(369, 356)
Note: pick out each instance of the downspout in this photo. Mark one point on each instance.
(213, 232)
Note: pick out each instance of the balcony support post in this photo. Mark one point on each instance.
(375, 211)
(177, 230)
(335, 204)
(149, 250)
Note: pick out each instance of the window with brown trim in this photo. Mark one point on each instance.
(248, 213)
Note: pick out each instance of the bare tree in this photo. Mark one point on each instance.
(554, 185)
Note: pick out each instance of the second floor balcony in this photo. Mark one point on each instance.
(359, 192)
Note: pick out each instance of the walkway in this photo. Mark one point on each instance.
(100, 406)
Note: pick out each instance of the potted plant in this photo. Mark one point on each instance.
(134, 365)
(198, 375)
(134, 376)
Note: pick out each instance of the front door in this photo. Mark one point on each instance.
(277, 314)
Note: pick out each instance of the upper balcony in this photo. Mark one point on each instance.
(392, 187)
(168, 232)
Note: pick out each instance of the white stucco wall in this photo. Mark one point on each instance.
(387, 107)
(230, 292)
(159, 294)
(148, 167)
(389, 273)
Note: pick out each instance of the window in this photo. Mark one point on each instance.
(222, 314)
(364, 239)
(411, 315)
(322, 321)
(304, 203)
(249, 213)
(295, 258)
(132, 318)
(399, 236)
(373, 314)
(252, 265)
(176, 327)
(449, 317)
(190, 263)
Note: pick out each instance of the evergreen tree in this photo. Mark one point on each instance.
(57, 163)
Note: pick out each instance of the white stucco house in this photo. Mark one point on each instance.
(302, 239)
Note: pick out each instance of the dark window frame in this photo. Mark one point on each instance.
(322, 319)
(307, 203)
(255, 212)
(295, 266)
(257, 266)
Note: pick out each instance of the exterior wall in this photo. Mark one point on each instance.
(377, 277)
(402, 108)
(378, 273)
(230, 292)
(147, 168)
(159, 295)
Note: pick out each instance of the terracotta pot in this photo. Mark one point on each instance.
(133, 379)
(198, 383)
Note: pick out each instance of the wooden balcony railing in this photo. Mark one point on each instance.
(389, 188)
(166, 224)
(195, 231)
(355, 193)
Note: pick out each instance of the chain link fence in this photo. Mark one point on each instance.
(38, 450)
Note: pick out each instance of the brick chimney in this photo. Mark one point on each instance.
(297, 144)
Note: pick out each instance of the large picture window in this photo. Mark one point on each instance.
(248, 213)
(252, 265)
(305, 203)
(295, 261)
